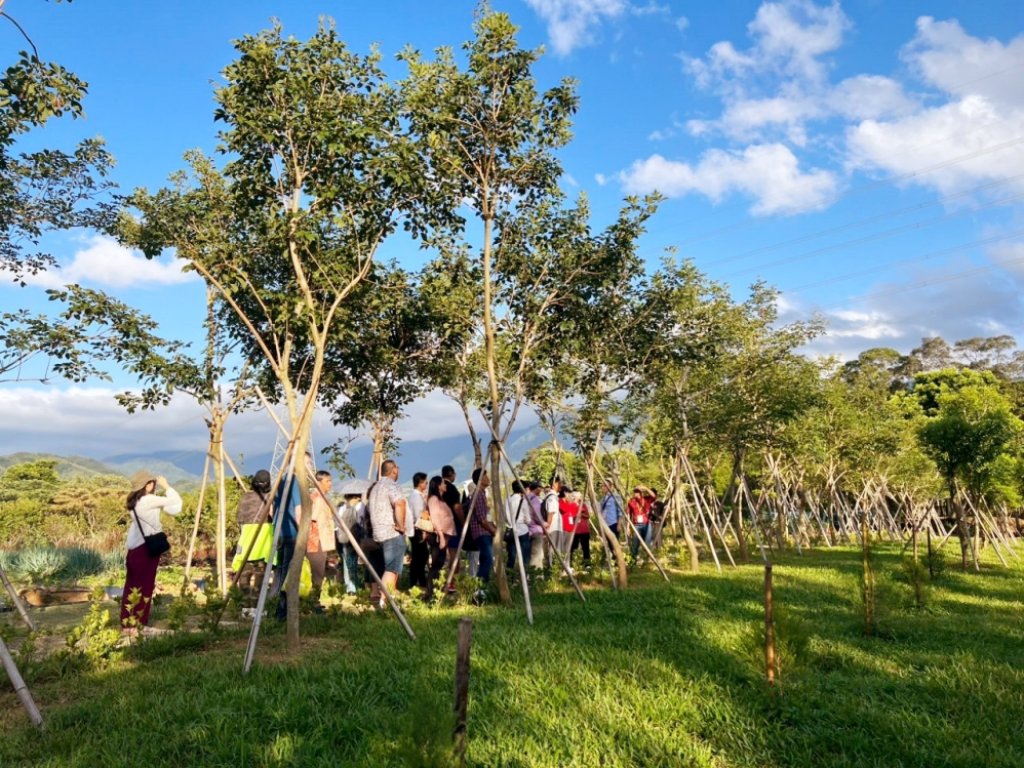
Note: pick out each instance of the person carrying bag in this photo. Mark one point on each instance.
(146, 543)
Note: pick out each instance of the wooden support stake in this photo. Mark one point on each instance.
(461, 705)
(769, 627)
(17, 601)
(19, 686)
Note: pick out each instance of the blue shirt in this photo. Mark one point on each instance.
(611, 509)
(287, 507)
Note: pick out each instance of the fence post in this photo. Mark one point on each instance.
(461, 707)
(769, 627)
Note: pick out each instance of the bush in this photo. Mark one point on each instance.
(80, 561)
(40, 564)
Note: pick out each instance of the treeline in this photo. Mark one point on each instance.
(40, 508)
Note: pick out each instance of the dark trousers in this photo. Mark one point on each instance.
(141, 575)
(582, 541)
(525, 543)
(318, 569)
(420, 558)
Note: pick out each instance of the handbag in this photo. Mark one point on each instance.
(156, 543)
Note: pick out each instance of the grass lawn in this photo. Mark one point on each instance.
(658, 675)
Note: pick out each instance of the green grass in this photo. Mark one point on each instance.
(658, 675)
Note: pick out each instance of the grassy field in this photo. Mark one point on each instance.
(658, 675)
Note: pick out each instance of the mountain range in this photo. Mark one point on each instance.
(185, 469)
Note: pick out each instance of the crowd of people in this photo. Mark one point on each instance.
(410, 539)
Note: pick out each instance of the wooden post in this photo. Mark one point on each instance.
(19, 686)
(17, 600)
(195, 527)
(461, 706)
(769, 627)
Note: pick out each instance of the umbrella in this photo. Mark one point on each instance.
(352, 487)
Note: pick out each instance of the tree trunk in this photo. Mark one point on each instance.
(222, 519)
(492, 381)
(302, 431)
(611, 541)
(737, 509)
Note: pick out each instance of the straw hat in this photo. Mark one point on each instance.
(140, 478)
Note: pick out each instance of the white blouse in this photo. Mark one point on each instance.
(148, 509)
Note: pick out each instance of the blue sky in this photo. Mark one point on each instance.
(865, 157)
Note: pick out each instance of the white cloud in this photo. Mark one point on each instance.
(973, 136)
(959, 64)
(87, 421)
(958, 300)
(870, 97)
(652, 8)
(769, 173)
(789, 38)
(744, 119)
(960, 144)
(601, 179)
(103, 262)
(572, 23)
(682, 23)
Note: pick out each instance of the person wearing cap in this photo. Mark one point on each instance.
(144, 507)
(254, 533)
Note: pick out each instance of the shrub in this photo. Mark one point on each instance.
(81, 561)
(40, 564)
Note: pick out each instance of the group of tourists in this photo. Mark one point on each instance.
(416, 534)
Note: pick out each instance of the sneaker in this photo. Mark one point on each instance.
(479, 597)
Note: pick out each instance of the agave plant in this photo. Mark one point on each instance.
(82, 561)
(40, 564)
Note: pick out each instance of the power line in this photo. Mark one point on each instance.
(876, 236)
(915, 259)
(868, 220)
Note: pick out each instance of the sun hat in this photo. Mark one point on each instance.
(140, 478)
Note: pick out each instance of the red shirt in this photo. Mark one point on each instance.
(568, 511)
(639, 510)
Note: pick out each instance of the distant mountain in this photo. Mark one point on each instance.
(185, 469)
(67, 466)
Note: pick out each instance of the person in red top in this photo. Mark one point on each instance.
(582, 538)
(639, 511)
(567, 512)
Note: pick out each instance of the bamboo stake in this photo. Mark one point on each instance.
(17, 600)
(19, 686)
(352, 540)
(519, 555)
(601, 525)
(235, 472)
(769, 626)
(261, 601)
(711, 518)
(222, 521)
(195, 527)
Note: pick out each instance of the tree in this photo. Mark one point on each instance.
(376, 362)
(45, 191)
(490, 137)
(320, 171)
(966, 424)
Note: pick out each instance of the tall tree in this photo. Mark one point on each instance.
(320, 171)
(966, 424)
(490, 137)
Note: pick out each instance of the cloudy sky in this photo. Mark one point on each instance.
(865, 157)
